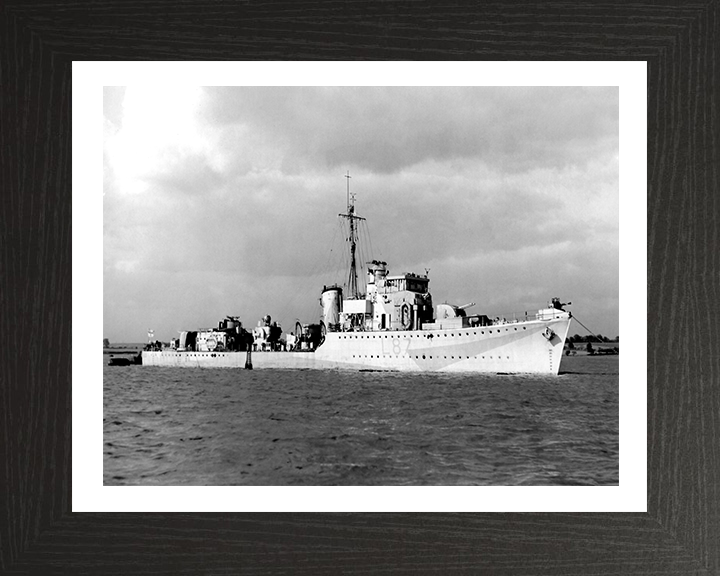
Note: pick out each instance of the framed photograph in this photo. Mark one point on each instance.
(506, 188)
(67, 516)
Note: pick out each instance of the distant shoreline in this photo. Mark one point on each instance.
(129, 348)
(599, 349)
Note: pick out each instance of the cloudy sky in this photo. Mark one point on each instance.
(223, 201)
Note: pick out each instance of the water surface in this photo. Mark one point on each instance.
(180, 426)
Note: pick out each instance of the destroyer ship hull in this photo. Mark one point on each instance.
(521, 347)
(534, 346)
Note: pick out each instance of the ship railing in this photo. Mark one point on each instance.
(527, 316)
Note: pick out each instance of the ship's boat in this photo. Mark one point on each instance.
(393, 325)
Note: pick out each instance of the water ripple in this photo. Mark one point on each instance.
(171, 426)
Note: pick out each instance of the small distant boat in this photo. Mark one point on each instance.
(125, 361)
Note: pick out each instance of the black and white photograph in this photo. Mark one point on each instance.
(387, 286)
(307, 234)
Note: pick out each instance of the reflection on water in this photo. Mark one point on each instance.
(174, 426)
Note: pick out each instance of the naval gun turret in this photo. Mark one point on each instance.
(267, 334)
(452, 311)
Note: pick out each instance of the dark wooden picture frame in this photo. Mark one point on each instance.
(680, 532)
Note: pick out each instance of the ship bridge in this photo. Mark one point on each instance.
(408, 281)
(378, 281)
(397, 302)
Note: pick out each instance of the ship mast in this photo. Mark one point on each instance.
(350, 215)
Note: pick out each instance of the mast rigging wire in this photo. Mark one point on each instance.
(586, 328)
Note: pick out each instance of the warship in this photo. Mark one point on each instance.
(390, 326)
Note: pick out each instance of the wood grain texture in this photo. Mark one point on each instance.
(681, 531)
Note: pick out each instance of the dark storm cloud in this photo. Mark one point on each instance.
(387, 129)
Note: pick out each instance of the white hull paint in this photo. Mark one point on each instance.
(506, 348)
(517, 347)
(173, 358)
